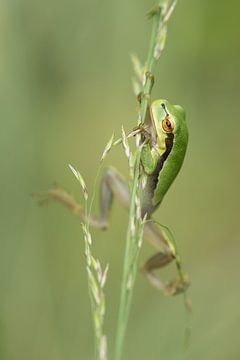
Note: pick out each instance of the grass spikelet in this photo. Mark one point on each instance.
(79, 177)
(96, 277)
(107, 148)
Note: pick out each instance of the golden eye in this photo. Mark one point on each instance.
(168, 124)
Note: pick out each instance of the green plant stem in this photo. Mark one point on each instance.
(151, 63)
(126, 293)
(133, 239)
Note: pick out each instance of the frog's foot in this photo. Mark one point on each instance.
(158, 261)
(177, 286)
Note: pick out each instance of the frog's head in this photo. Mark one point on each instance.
(170, 124)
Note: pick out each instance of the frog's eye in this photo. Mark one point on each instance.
(168, 124)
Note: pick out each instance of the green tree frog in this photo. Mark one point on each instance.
(164, 138)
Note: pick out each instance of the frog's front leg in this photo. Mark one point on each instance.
(165, 256)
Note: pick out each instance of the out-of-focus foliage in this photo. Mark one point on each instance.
(65, 86)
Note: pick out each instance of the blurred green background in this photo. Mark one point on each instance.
(65, 86)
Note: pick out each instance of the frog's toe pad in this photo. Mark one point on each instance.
(177, 286)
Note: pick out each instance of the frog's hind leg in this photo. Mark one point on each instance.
(112, 184)
(165, 256)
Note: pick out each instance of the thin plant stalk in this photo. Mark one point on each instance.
(96, 275)
(126, 290)
(160, 15)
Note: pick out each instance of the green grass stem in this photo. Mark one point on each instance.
(160, 15)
